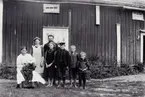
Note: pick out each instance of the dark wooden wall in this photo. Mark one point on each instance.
(130, 44)
(25, 20)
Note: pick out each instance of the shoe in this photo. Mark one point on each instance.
(79, 86)
(58, 86)
(48, 85)
(38, 84)
(22, 85)
(71, 85)
(75, 86)
(64, 86)
(34, 85)
(18, 86)
(51, 85)
(84, 87)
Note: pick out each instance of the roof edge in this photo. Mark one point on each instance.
(126, 6)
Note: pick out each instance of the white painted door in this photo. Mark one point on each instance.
(60, 35)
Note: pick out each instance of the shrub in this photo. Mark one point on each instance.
(99, 69)
(125, 69)
(7, 72)
(139, 67)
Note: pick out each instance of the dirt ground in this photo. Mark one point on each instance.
(124, 86)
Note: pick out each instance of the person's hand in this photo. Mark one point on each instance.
(46, 65)
(50, 64)
(42, 62)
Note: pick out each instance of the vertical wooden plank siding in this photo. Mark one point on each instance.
(130, 44)
(25, 20)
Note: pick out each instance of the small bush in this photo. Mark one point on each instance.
(100, 70)
(7, 72)
(125, 69)
(139, 67)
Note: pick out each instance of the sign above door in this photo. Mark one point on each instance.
(51, 8)
(138, 16)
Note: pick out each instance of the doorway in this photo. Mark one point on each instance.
(61, 34)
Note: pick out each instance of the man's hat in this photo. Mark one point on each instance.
(51, 35)
(62, 43)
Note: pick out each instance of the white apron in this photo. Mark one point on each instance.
(37, 54)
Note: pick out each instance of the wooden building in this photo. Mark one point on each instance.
(112, 30)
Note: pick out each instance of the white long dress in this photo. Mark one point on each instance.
(37, 54)
(21, 61)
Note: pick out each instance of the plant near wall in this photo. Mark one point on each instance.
(7, 71)
(139, 67)
(126, 69)
(99, 68)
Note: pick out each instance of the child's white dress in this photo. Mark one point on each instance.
(21, 61)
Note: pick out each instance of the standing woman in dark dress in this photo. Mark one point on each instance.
(50, 66)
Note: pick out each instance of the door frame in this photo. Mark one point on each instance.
(58, 27)
(1, 30)
(142, 45)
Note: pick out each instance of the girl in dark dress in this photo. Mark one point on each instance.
(49, 58)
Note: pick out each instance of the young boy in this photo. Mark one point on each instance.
(73, 65)
(83, 66)
(62, 60)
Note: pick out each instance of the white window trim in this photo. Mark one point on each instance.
(141, 49)
(97, 15)
(118, 31)
(1, 28)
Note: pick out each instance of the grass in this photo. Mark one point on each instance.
(95, 88)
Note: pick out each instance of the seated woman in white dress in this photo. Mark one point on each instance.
(23, 60)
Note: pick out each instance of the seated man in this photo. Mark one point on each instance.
(25, 69)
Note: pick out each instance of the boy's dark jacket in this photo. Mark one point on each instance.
(62, 58)
(73, 59)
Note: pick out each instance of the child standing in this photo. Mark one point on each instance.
(83, 66)
(62, 60)
(73, 65)
(50, 66)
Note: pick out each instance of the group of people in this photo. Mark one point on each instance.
(49, 64)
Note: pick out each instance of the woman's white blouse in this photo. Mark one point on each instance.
(22, 60)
